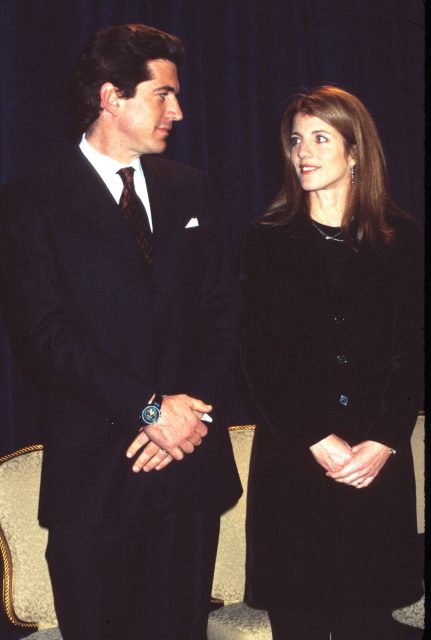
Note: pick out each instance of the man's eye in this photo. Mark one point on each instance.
(162, 96)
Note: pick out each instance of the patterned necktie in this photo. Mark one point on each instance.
(134, 213)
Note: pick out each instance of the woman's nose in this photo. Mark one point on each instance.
(304, 150)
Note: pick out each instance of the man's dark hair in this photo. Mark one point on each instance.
(119, 55)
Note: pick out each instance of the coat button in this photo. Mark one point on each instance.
(338, 319)
(344, 400)
(341, 359)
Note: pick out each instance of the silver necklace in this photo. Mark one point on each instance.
(335, 238)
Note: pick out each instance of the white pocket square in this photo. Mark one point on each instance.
(193, 222)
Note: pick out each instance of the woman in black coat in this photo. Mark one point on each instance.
(332, 345)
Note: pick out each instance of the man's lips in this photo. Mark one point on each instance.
(166, 130)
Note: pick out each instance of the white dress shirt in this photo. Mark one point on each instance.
(107, 169)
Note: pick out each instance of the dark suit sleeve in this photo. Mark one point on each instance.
(34, 301)
(217, 341)
(401, 394)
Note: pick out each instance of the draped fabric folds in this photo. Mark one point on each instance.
(245, 58)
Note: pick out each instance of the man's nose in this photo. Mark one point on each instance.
(175, 110)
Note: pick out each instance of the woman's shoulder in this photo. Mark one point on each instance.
(269, 229)
(407, 249)
(258, 233)
(267, 245)
(407, 231)
(261, 238)
(260, 244)
(401, 221)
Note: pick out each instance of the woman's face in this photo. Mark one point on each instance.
(319, 155)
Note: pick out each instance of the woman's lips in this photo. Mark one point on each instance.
(307, 168)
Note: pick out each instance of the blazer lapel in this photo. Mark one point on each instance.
(92, 200)
(165, 200)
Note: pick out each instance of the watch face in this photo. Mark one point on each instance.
(150, 414)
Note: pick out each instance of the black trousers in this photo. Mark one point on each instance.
(354, 624)
(153, 583)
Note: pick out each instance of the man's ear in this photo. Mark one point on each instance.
(109, 98)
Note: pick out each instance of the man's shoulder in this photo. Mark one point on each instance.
(166, 168)
(52, 183)
(61, 165)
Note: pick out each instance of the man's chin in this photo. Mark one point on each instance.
(157, 147)
(153, 150)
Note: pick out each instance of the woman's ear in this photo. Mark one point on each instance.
(353, 154)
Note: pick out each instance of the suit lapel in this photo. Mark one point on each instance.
(92, 200)
(165, 199)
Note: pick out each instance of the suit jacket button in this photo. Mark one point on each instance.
(341, 359)
(338, 319)
(343, 400)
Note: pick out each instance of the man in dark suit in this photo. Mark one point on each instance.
(117, 289)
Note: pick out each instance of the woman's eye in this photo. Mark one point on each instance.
(294, 141)
(320, 139)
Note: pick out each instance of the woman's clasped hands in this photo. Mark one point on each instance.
(356, 466)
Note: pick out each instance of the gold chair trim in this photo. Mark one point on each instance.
(6, 557)
(243, 427)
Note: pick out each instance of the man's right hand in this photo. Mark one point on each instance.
(178, 431)
(152, 457)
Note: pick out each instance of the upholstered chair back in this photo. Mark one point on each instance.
(229, 576)
(27, 592)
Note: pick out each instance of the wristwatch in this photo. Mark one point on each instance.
(151, 412)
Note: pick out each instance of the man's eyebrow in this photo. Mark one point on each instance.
(166, 87)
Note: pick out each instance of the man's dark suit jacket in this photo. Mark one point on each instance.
(104, 332)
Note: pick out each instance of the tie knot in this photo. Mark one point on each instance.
(126, 175)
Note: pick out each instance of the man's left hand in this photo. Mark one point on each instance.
(369, 458)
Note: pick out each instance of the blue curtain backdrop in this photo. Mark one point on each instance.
(245, 58)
